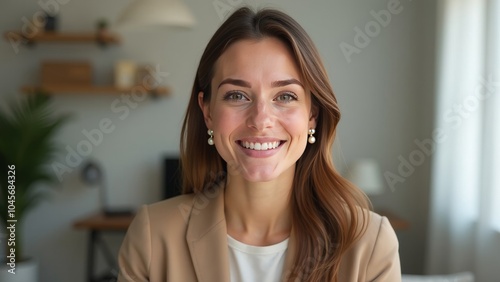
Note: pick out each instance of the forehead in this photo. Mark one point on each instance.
(257, 59)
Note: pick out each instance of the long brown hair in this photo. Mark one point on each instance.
(326, 207)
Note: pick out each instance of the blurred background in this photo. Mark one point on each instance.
(384, 62)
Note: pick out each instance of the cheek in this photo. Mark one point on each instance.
(296, 121)
(225, 119)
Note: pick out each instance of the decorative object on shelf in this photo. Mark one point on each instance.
(102, 31)
(146, 13)
(125, 74)
(27, 146)
(92, 174)
(69, 77)
(102, 25)
(145, 77)
(366, 174)
(50, 22)
(63, 86)
(76, 73)
(61, 37)
(90, 89)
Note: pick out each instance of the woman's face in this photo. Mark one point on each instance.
(260, 111)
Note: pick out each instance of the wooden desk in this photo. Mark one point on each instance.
(96, 224)
(102, 222)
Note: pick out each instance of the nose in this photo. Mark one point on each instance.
(260, 116)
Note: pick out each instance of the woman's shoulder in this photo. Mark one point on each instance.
(170, 204)
(378, 223)
(143, 252)
(376, 227)
(171, 212)
(375, 253)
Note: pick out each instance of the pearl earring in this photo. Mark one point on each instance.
(211, 139)
(311, 138)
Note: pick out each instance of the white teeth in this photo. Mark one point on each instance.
(260, 146)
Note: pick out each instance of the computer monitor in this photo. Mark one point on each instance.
(172, 185)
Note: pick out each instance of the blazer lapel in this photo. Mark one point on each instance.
(207, 237)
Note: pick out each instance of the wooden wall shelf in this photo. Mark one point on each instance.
(65, 37)
(102, 39)
(90, 89)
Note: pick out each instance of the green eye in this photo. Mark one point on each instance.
(286, 97)
(235, 96)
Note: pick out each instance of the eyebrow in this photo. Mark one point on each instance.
(281, 83)
(237, 82)
(243, 83)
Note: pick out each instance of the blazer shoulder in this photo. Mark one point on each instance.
(157, 232)
(384, 264)
(378, 230)
(174, 209)
(378, 223)
(169, 205)
(375, 255)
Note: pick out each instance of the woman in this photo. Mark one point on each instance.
(262, 200)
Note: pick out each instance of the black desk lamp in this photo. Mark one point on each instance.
(92, 175)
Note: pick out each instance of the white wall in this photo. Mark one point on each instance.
(384, 94)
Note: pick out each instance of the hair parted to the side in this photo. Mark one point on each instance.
(326, 208)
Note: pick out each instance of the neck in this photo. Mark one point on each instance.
(259, 213)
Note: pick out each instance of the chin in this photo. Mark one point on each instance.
(260, 176)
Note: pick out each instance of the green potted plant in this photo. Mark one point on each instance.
(102, 24)
(102, 30)
(27, 145)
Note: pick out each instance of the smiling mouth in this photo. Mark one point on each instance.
(260, 146)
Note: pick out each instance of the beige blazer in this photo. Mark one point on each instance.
(184, 239)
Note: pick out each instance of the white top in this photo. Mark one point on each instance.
(254, 263)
